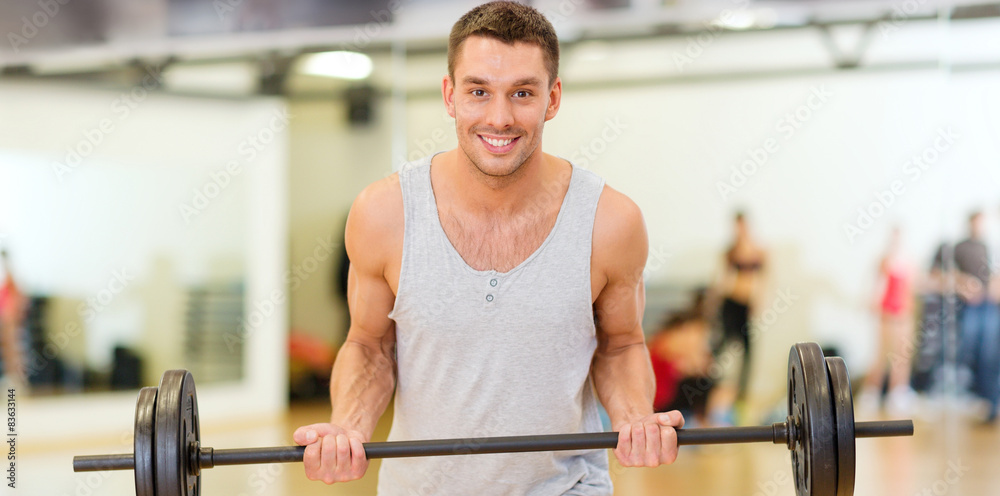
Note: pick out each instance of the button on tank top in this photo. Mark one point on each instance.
(484, 353)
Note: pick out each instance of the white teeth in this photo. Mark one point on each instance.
(497, 143)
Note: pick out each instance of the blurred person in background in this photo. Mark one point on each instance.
(12, 307)
(893, 305)
(968, 265)
(739, 285)
(682, 357)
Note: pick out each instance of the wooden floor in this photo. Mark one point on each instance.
(951, 454)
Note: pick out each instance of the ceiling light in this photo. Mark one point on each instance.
(343, 65)
(738, 19)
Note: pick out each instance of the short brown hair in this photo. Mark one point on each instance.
(509, 22)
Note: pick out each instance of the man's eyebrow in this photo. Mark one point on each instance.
(528, 81)
(474, 80)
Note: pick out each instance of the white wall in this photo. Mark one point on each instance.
(683, 129)
(683, 140)
(70, 229)
(330, 163)
(668, 146)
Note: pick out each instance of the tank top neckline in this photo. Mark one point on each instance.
(458, 256)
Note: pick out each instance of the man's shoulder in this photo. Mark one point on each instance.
(415, 166)
(380, 193)
(377, 211)
(616, 211)
(970, 243)
(619, 230)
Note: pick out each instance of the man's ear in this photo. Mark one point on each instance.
(448, 92)
(555, 98)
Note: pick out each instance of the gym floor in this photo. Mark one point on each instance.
(951, 454)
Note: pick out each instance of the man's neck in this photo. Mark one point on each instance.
(480, 193)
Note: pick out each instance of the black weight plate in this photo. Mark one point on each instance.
(810, 409)
(843, 409)
(143, 448)
(177, 432)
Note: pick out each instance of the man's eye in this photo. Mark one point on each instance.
(522, 94)
(479, 92)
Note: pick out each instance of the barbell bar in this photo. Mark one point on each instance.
(776, 433)
(820, 432)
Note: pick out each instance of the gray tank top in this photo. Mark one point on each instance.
(483, 353)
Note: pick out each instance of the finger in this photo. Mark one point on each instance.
(668, 445)
(312, 460)
(343, 458)
(329, 466)
(638, 444)
(305, 435)
(672, 418)
(676, 419)
(652, 453)
(624, 448)
(359, 461)
(319, 431)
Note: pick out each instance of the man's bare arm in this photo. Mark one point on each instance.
(365, 371)
(622, 372)
(364, 374)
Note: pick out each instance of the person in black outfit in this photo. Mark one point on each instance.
(739, 287)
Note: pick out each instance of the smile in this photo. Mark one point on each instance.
(498, 145)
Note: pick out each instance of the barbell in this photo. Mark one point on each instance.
(820, 432)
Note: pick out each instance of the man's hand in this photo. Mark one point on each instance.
(333, 454)
(970, 288)
(649, 441)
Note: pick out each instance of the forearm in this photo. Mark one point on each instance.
(361, 386)
(625, 383)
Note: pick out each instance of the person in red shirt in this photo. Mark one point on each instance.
(681, 356)
(12, 304)
(896, 331)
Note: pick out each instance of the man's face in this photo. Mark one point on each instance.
(976, 226)
(500, 99)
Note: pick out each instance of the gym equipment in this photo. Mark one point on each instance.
(820, 432)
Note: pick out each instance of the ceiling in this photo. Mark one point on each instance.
(118, 38)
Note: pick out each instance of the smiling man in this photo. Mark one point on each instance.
(497, 290)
